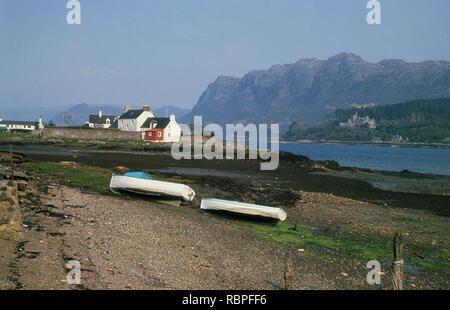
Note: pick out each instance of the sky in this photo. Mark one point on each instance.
(166, 52)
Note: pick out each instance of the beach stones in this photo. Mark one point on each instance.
(21, 186)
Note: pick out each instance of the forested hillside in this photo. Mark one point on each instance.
(422, 121)
(434, 110)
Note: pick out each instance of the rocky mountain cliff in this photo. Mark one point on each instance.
(310, 89)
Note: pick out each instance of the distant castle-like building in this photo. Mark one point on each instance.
(357, 121)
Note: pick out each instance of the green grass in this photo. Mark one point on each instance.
(427, 224)
(283, 234)
(327, 244)
(90, 178)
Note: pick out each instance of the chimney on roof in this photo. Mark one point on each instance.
(100, 113)
(172, 116)
(41, 124)
(127, 107)
(146, 107)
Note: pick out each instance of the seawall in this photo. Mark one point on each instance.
(76, 133)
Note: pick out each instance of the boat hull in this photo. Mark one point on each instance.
(242, 209)
(160, 189)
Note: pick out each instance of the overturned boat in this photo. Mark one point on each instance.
(143, 184)
(243, 209)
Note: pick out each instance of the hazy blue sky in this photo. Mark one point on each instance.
(167, 52)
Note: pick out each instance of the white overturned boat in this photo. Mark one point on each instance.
(243, 208)
(142, 183)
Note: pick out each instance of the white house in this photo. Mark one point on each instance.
(132, 120)
(20, 125)
(102, 121)
(161, 129)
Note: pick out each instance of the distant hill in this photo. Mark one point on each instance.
(79, 114)
(27, 113)
(311, 89)
(413, 121)
(179, 112)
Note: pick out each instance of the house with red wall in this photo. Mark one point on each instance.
(161, 129)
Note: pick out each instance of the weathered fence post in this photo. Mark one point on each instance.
(398, 262)
(12, 164)
(288, 274)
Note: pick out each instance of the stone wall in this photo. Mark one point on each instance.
(9, 211)
(76, 133)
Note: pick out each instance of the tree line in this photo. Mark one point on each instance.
(413, 121)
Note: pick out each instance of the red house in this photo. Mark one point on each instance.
(161, 129)
(156, 134)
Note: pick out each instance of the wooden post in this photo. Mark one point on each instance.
(288, 274)
(398, 262)
(11, 161)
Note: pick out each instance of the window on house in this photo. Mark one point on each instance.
(159, 133)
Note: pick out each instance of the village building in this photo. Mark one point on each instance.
(103, 121)
(20, 125)
(161, 129)
(132, 120)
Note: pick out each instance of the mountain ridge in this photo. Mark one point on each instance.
(310, 89)
(78, 114)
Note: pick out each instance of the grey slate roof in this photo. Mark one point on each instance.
(131, 114)
(115, 124)
(95, 119)
(161, 122)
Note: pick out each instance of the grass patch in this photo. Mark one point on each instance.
(346, 244)
(90, 178)
(355, 246)
(428, 223)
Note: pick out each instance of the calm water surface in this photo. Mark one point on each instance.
(423, 160)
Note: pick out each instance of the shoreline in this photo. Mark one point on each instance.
(36, 148)
(381, 144)
(399, 188)
(330, 237)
